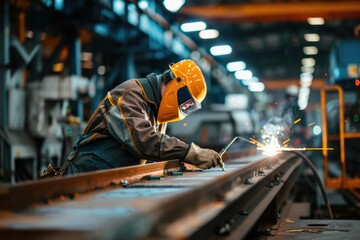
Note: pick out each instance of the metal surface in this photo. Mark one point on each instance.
(317, 229)
(121, 203)
(28, 193)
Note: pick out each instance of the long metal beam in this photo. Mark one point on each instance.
(277, 11)
(208, 204)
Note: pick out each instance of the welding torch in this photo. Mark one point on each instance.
(222, 165)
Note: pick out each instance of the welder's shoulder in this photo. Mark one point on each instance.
(128, 87)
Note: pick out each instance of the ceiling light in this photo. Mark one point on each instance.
(312, 37)
(235, 66)
(220, 50)
(193, 26)
(306, 69)
(256, 87)
(243, 74)
(308, 62)
(248, 81)
(310, 50)
(209, 34)
(173, 5)
(143, 4)
(306, 77)
(316, 21)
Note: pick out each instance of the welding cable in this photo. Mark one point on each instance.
(317, 177)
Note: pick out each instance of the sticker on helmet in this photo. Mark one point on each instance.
(187, 105)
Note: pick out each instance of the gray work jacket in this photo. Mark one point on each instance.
(124, 129)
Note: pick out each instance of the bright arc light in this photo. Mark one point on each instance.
(243, 74)
(312, 37)
(311, 50)
(173, 5)
(235, 66)
(193, 26)
(308, 62)
(256, 87)
(316, 130)
(220, 50)
(316, 21)
(209, 34)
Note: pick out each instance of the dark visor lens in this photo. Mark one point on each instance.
(187, 103)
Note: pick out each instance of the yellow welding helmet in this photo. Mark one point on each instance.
(185, 92)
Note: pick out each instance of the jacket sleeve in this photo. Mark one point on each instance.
(129, 123)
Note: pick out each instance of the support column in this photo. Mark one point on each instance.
(4, 79)
(4, 60)
(75, 65)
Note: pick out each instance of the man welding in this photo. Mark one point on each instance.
(129, 124)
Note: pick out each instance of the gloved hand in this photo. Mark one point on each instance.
(201, 157)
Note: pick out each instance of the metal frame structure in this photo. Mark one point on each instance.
(343, 181)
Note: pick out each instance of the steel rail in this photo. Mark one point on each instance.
(156, 209)
(28, 193)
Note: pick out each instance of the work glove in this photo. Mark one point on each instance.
(201, 157)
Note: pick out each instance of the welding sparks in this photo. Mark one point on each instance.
(273, 147)
(310, 124)
(286, 141)
(280, 149)
(297, 120)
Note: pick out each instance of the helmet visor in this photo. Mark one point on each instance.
(187, 104)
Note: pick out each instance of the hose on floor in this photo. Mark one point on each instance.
(317, 177)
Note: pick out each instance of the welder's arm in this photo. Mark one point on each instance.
(129, 123)
(201, 157)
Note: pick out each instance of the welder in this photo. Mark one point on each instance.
(128, 127)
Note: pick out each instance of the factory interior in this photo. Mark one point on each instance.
(281, 116)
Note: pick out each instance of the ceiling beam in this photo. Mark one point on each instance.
(279, 85)
(278, 11)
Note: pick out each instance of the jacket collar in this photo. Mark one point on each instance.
(151, 86)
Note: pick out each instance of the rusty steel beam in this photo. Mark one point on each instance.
(41, 191)
(277, 11)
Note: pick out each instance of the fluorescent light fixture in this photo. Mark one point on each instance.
(256, 87)
(316, 21)
(143, 4)
(308, 62)
(235, 66)
(243, 74)
(312, 37)
(220, 50)
(193, 26)
(173, 5)
(306, 69)
(306, 77)
(310, 50)
(304, 93)
(248, 81)
(119, 7)
(209, 34)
